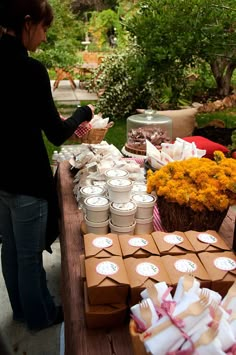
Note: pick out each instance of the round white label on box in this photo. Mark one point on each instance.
(147, 269)
(173, 239)
(102, 242)
(107, 268)
(185, 265)
(138, 242)
(207, 238)
(226, 264)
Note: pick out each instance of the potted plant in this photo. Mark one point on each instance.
(194, 194)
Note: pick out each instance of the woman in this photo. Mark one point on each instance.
(28, 200)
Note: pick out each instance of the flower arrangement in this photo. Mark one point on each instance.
(199, 183)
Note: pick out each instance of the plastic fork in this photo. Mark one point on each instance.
(153, 294)
(146, 312)
(194, 309)
(207, 337)
(188, 281)
(217, 312)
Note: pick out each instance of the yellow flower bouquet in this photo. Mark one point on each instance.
(198, 189)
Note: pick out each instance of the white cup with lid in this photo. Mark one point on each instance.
(88, 191)
(122, 214)
(139, 187)
(119, 190)
(144, 225)
(97, 208)
(145, 203)
(97, 227)
(122, 230)
(116, 173)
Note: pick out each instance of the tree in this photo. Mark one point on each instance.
(175, 35)
(93, 5)
(63, 38)
(102, 25)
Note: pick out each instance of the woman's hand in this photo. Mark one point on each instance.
(92, 108)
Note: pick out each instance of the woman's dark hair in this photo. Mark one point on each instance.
(13, 13)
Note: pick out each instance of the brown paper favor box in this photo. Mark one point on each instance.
(142, 273)
(101, 246)
(178, 265)
(206, 241)
(222, 269)
(107, 280)
(104, 316)
(138, 246)
(175, 243)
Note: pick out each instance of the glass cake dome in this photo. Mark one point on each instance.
(149, 125)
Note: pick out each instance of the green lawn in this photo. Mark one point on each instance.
(228, 116)
(117, 134)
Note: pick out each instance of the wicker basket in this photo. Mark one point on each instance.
(96, 135)
(138, 346)
(182, 218)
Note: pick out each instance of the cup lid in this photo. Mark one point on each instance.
(139, 187)
(144, 199)
(96, 201)
(91, 190)
(119, 182)
(111, 173)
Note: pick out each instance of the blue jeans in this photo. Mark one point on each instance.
(23, 221)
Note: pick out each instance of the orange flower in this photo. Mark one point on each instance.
(199, 183)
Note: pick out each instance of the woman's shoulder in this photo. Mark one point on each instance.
(36, 65)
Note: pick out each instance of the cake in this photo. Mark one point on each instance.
(152, 127)
(136, 142)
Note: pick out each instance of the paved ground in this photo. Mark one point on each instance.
(65, 94)
(14, 335)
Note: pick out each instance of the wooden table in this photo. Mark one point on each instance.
(78, 339)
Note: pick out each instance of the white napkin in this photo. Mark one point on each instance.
(231, 306)
(225, 334)
(179, 292)
(213, 296)
(233, 326)
(98, 122)
(213, 348)
(188, 146)
(161, 288)
(137, 314)
(179, 150)
(158, 345)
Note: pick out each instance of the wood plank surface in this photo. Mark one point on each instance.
(78, 339)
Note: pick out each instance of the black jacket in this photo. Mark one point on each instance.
(26, 110)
